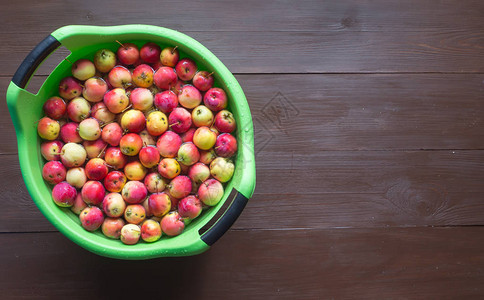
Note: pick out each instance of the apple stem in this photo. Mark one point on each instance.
(211, 74)
(102, 151)
(104, 124)
(121, 44)
(109, 166)
(216, 147)
(174, 124)
(68, 61)
(173, 50)
(128, 107)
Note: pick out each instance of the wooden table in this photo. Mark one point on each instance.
(369, 121)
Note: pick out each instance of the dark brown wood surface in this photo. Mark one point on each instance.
(370, 178)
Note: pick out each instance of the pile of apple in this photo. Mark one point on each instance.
(131, 148)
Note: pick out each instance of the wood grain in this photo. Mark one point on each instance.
(321, 37)
(349, 112)
(326, 190)
(412, 263)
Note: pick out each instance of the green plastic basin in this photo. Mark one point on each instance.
(26, 108)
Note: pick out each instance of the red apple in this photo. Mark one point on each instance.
(78, 109)
(83, 69)
(93, 192)
(149, 156)
(94, 89)
(169, 56)
(54, 172)
(150, 53)
(211, 192)
(166, 101)
(55, 108)
(189, 97)
(134, 192)
(128, 54)
(115, 181)
(154, 183)
(51, 150)
(69, 88)
(133, 121)
(91, 218)
(131, 144)
(165, 78)
(95, 148)
(120, 77)
(169, 168)
(172, 224)
(114, 205)
(188, 154)
(116, 100)
(141, 98)
(101, 113)
(168, 144)
(180, 120)
(186, 69)
(215, 99)
(224, 121)
(115, 158)
(69, 133)
(143, 76)
(112, 134)
(226, 145)
(180, 187)
(159, 204)
(190, 207)
(203, 80)
(64, 194)
(96, 169)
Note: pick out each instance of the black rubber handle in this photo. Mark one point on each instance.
(227, 220)
(33, 60)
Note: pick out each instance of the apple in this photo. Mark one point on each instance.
(224, 121)
(113, 205)
(130, 144)
(203, 80)
(199, 172)
(133, 121)
(83, 69)
(222, 169)
(211, 192)
(189, 97)
(143, 76)
(69, 88)
(168, 144)
(180, 120)
(202, 116)
(55, 108)
(93, 192)
(89, 129)
(156, 123)
(190, 207)
(172, 224)
(147, 138)
(94, 89)
(112, 134)
(104, 60)
(78, 205)
(116, 100)
(128, 53)
(96, 169)
(154, 183)
(73, 155)
(180, 186)
(204, 138)
(169, 168)
(64, 194)
(115, 158)
(149, 156)
(150, 231)
(130, 234)
(177, 87)
(134, 192)
(188, 154)
(115, 181)
(166, 101)
(69, 133)
(226, 145)
(76, 177)
(51, 150)
(95, 148)
(169, 56)
(159, 204)
(120, 77)
(111, 227)
(135, 171)
(54, 172)
(91, 218)
(186, 69)
(165, 78)
(78, 109)
(101, 113)
(150, 53)
(188, 136)
(48, 129)
(215, 99)
(134, 214)
(141, 99)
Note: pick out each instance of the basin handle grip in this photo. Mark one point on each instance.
(33, 60)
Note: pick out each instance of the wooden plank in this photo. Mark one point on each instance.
(341, 36)
(458, 51)
(251, 15)
(411, 263)
(326, 190)
(349, 112)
